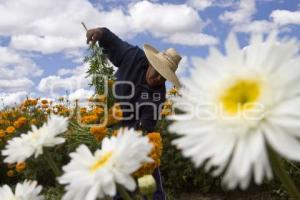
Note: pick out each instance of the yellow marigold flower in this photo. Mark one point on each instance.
(168, 104)
(2, 133)
(98, 111)
(44, 101)
(33, 122)
(10, 130)
(99, 132)
(148, 168)
(166, 112)
(10, 173)
(20, 167)
(173, 91)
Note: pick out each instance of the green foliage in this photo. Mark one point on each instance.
(99, 68)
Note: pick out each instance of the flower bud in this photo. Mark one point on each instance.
(147, 185)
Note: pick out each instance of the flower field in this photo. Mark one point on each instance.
(75, 150)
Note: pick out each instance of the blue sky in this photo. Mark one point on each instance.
(42, 43)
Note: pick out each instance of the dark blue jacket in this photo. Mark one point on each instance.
(145, 103)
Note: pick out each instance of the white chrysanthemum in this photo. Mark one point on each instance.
(90, 176)
(20, 148)
(28, 190)
(236, 104)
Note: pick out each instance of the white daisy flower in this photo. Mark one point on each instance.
(28, 190)
(90, 176)
(237, 103)
(20, 148)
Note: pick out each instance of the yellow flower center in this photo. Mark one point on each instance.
(240, 96)
(101, 162)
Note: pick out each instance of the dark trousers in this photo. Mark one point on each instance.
(159, 193)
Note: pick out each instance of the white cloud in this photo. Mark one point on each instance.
(46, 44)
(284, 17)
(18, 84)
(11, 99)
(200, 4)
(257, 26)
(67, 80)
(80, 94)
(16, 71)
(164, 18)
(15, 65)
(52, 26)
(241, 19)
(192, 39)
(243, 13)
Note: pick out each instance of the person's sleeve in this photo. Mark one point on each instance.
(113, 46)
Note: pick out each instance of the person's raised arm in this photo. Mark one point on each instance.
(113, 46)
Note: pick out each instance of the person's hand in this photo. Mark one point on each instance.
(93, 35)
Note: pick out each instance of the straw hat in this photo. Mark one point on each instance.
(165, 63)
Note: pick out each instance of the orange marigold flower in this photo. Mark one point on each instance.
(99, 132)
(98, 111)
(83, 110)
(98, 98)
(20, 167)
(2, 133)
(44, 101)
(10, 173)
(20, 122)
(10, 130)
(89, 119)
(156, 152)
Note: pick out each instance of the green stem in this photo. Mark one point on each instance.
(51, 163)
(124, 194)
(149, 197)
(278, 167)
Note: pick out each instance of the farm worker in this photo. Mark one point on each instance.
(140, 87)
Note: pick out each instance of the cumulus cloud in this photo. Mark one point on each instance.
(16, 70)
(14, 65)
(67, 80)
(80, 94)
(241, 19)
(192, 39)
(18, 84)
(200, 4)
(11, 99)
(256, 26)
(243, 12)
(52, 26)
(285, 17)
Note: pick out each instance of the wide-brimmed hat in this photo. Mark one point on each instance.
(165, 63)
